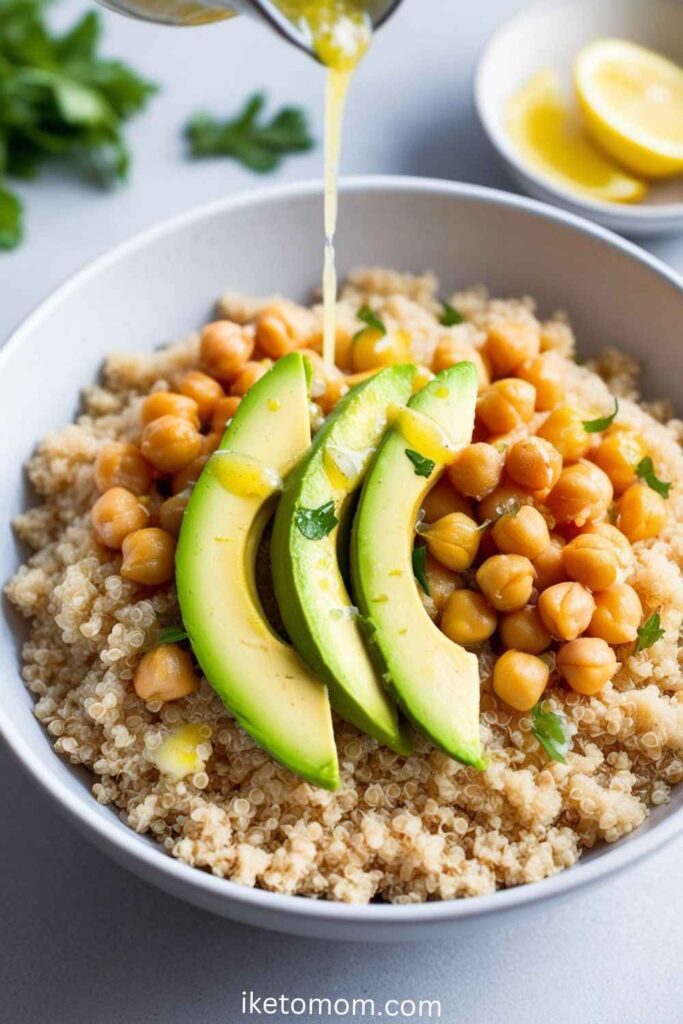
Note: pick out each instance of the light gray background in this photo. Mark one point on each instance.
(80, 939)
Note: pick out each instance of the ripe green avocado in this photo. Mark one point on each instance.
(315, 605)
(435, 681)
(261, 680)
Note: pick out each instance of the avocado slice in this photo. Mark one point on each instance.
(273, 695)
(435, 681)
(318, 613)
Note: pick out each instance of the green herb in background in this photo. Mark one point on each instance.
(172, 635)
(256, 143)
(645, 470)
(450, 316)
(58, 98)
(550, 729)
(420, 568)
(603, 422)
(370, 319)
(649, 633)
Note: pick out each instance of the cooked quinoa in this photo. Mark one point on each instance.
(405, 829)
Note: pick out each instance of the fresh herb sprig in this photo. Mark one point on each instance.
(450, 316)
(371, 320)
(59, 99)
(645, 471)
(421, 464)
(173, 635)
(550, 729)
(649, 633)
(420, 568)
(316, 523)
(603, 422)
(256, 142)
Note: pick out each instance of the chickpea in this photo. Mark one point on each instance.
(172, 511)
(204, 390)
(641, 513)
(223, 413)
(442, 582)
(170, 442)
(372, 349)
(582, 495)
(617, 616)
(510, 343)
(467, 618)
(210, 442)
(148, 556)
(251, 373)
(519, 679)
(454, 540)
(591, 559)
(587, 664)
(506, 581)
(476, 470)
(165, 673)
(506, 404)
(546, 373)
(224, 348)
(523, 532)
(524, 631)
(565, 430)
(115, 514)
(451, 350)
(622, 547)
(534, 464)
(618, 455)
(189, 474)
(442, 500)
(506, 498)
(120, 464)
(166, 403)
(277, 330)
(549, 566)
(566, 610)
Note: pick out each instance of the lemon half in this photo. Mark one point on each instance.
(632, 100)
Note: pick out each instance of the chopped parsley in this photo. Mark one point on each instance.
(423, 466)
(649, 633)
(420, 568)
(645, 471)
(370, 319)
(550, 729)
(450, 316)
(603, 422)
(172, 635)
(316, 523)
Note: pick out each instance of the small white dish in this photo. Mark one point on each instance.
(549, 34)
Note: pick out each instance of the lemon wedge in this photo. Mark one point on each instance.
(551, 140)
(632, 100)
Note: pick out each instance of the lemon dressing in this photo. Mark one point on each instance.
(244, 475)
(344, 466)
(422, 434)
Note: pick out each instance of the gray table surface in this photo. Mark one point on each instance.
(82, 940)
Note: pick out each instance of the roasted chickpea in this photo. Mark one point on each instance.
(565, 430)
(251, 373)
(165, 673)
(506, 498)
(467, 618)
(442, 500)
(451, 350)
(172, 511)
(476, 470)
(549, 566)
(506, 581)
(170, 442)
(189, 474)
(641, 513)
(167, 403)
(453, 540)
(505, 405)
(534, 464)
(619, 542)
(148, 556)
(519, 679)
(593, 560)
(202, 389)
(587, 664)
(224, 412)
(279, 329)
(372, 348)
(524, 631)
(210, 442)
(546, 373)
(582, 495)
(510, 343)
(617, 616)
(119, 464)
(442, 581)
(522, 532)
(224, 349)
(115, 514)
(566, 610)
(618, 455)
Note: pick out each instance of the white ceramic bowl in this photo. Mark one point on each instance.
(163, 283)
(549, 34)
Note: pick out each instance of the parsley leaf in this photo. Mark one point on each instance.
(172, 635)
(420, 568)
(370, 319)
(256, 143)
(423, 466)
(645, 470)
(550, 729)
(450, 316)
(11, 219)
(649, 633)
(603, 422)
(316, 523)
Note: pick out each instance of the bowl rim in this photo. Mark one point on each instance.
(125, 845)
(640, 214)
